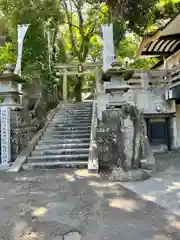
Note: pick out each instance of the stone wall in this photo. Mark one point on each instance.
(22, 131)
(148, 100)
(28, 120)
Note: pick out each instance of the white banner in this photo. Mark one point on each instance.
(49, 47)
(108, 47)
(22, 29)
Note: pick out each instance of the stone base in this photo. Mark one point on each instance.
(118, 175)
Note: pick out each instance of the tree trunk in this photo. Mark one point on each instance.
(78, 89)
(54, 45)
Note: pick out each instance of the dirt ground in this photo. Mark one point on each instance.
(163, 187)
(45, 205)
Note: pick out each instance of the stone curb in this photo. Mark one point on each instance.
(20, 160)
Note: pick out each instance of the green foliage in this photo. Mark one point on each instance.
(127, 49)
(42, 16)
(166, 9)
(83, 28)
(135, 15)
(75, 29)
(7, 55)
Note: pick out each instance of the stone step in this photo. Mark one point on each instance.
(64, 140)
(72, 121)
(68, 126)
(62, 146)
(64, 136)
(67, 157)
(47, 152)
(75, 111)
(60, 118)
(62, 130)
(65, 133)
(79, 104)
(55, 164)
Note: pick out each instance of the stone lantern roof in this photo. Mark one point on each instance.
(117, 69)
(9, 87)
(118, 77)
(9, 75)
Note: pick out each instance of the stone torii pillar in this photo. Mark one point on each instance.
(65, 92)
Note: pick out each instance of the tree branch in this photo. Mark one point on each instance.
(70, 28)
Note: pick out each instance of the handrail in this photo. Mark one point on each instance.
(93, 165)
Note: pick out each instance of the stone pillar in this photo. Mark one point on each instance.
(98, 78)
(145, 79)
(5, 137)
(10, 93)
(65, 87)
(101, 98)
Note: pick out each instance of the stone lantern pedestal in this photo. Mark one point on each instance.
(8, 107)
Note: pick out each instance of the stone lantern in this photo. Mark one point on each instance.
(117, 85)
(9, 89)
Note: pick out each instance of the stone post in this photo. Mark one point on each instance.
(65, 87)
(10, 92)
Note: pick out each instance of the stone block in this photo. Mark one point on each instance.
(118, 175)
(72, 236)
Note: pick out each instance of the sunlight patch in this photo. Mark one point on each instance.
(84, 173)
(176, 184)
(158, 179)
(106, 184)
(171, 188)
(124, 204)
(175, 224)
(149, 198)
(39, 212)
(69, 177)
(161, 237)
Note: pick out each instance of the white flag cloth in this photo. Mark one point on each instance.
(22, 29)
(108, 45)
(49, 47)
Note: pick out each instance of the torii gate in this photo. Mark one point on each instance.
(76, 68)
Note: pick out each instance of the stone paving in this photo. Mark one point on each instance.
(73, 205)
(164, 187)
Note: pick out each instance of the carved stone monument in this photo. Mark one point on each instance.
(124, 145)
(9, 105)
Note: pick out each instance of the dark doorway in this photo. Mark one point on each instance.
(158, 130)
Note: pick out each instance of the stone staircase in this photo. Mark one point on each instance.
(65, 143)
